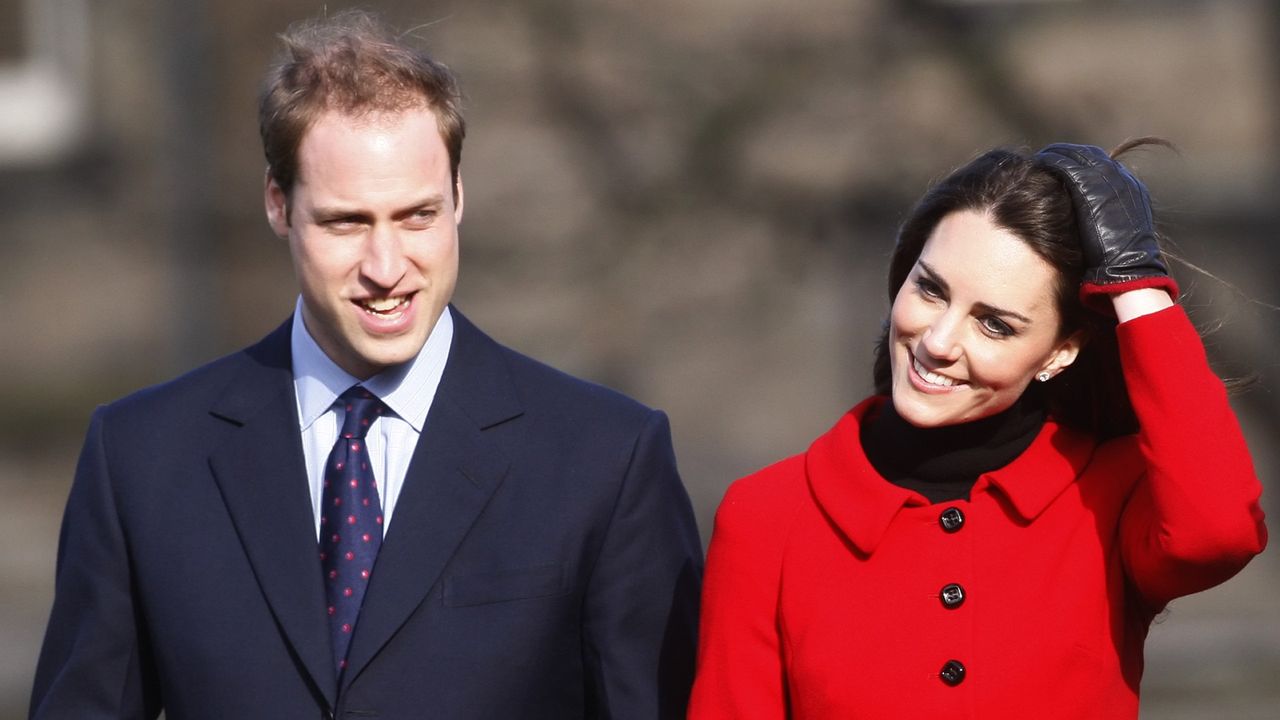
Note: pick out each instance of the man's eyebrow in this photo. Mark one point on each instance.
(332, 212)
(430, 201)
(985, 307)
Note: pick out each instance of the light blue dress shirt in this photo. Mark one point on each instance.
(408, 390)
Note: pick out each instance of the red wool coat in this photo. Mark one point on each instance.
(831, 593)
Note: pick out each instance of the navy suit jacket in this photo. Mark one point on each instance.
(543, 561)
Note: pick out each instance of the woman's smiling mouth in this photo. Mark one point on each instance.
(934, 379)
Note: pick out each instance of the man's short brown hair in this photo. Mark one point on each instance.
(351, 63)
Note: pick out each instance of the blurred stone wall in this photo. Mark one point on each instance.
(691, 202)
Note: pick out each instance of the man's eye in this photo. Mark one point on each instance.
(421, 219)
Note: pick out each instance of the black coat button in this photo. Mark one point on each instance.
(952, 596)
(952, 673)
(951, 519)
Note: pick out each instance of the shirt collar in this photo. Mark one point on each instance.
(407, 389)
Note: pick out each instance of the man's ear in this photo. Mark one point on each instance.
(277, 205)
(457, 200)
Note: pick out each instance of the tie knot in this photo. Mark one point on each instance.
(362, 408)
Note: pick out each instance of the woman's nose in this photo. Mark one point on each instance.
(941, 338)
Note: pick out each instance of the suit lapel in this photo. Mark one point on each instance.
(260, 471)
(455, 469)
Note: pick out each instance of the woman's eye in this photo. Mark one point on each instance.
(996, 326)
(928, 288)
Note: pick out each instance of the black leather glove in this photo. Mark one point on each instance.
(1113, 212)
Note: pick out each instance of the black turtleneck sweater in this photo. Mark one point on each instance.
(943, 463)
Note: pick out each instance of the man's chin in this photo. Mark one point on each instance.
(388, 354)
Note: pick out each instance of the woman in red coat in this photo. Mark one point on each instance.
(1049, 462)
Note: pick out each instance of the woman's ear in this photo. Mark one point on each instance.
(1065, 353)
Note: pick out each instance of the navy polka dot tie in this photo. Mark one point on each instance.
(350, 519)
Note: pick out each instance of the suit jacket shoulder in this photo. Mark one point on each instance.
(493, 383)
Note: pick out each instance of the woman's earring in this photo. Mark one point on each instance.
(1043, 376)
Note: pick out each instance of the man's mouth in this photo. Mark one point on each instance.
(931, 377)
(384, 307)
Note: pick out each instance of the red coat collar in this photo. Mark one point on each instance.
(862, 504)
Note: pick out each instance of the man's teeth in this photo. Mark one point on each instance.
(931, 377)
(384, 305)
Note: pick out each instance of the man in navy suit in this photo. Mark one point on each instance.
(539, 557)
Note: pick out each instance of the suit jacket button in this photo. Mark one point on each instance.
(952, 596)
(952, 673)
(951, 519)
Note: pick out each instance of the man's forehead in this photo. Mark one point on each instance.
(334, 129)
(390, 159)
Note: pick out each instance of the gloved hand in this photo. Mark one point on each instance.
(1113, 212)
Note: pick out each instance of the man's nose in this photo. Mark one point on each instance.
(384, 260)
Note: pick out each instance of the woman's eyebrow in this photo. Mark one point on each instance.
(933, 275)
(985, 307)
(994, 310)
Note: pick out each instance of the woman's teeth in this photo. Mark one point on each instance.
(931, 377)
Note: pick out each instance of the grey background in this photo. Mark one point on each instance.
(690, 201)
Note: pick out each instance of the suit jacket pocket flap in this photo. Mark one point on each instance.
(502, 585)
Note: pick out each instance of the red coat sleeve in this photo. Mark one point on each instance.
(1193, 520)
(740, 653)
